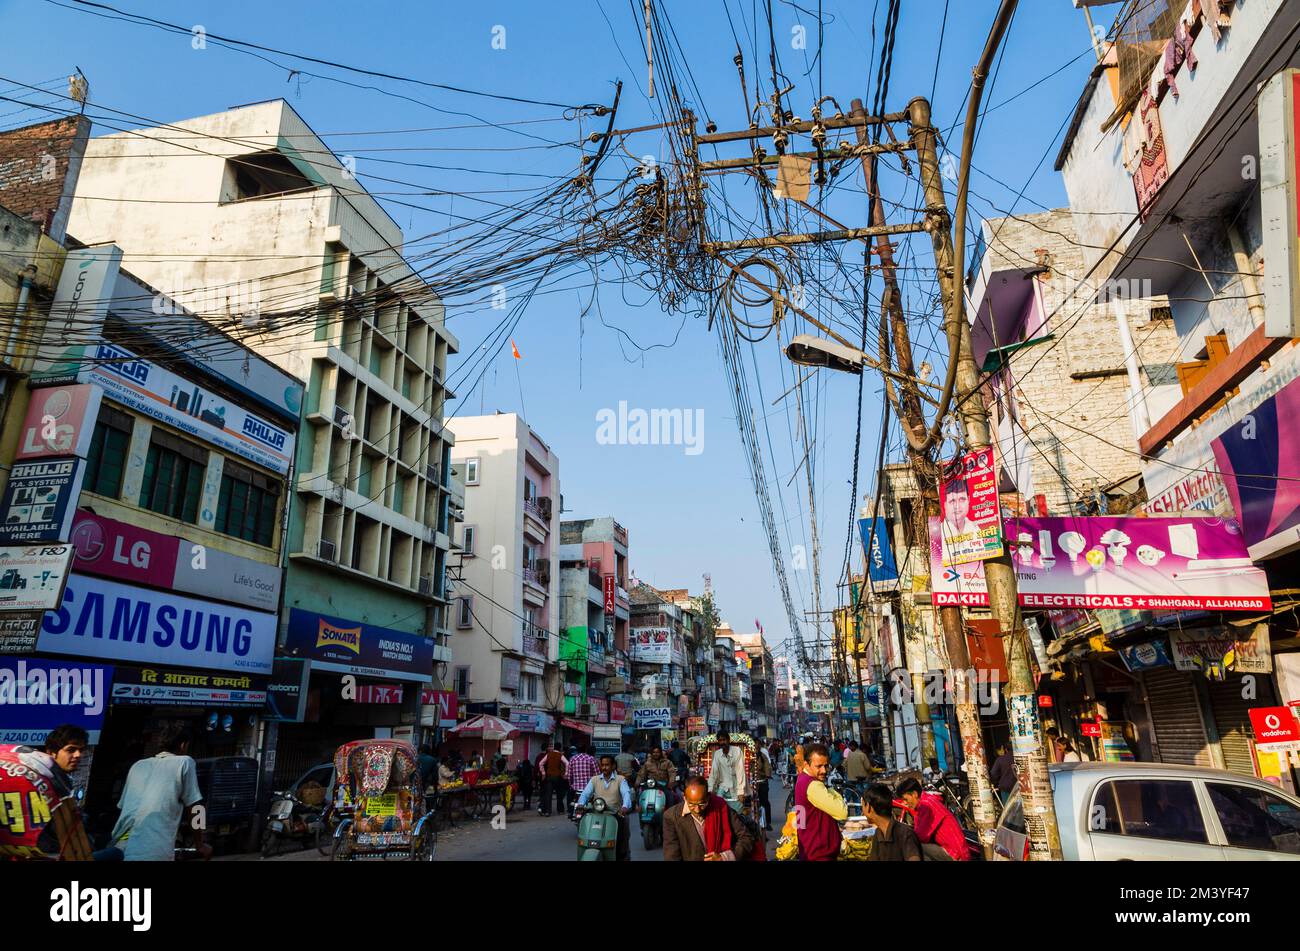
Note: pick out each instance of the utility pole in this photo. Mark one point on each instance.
(1022, 714)
(925, 471)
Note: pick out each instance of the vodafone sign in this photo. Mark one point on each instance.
(1276, 729)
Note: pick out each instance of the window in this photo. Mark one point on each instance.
(530, 489)
(471, 472)
(462, 681)
(468, 543)
(1104, 815)
(1255, 819)
(106, 461)
(464, 612)
(1157, 809)
(248, 504)
(173, 477)
(260, 174)
(528, 688)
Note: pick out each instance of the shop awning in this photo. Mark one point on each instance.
(576, 725)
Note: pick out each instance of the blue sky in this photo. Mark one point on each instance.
(687, 514)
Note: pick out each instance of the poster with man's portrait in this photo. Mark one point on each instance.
(972, 521)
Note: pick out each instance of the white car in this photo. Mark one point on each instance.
(1158, 812)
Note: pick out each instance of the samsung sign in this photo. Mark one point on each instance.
(105, 619)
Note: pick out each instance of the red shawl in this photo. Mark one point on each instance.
(717, 830)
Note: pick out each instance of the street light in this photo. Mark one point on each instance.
(810, 351)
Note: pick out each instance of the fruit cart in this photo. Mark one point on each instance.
(474, 795)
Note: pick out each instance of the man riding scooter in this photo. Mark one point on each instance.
(614, 791)
(655, 780)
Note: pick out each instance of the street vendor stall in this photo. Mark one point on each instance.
(476, 792)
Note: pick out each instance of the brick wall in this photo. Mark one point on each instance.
(39, 165)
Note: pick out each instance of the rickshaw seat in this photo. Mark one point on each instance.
(74, 844)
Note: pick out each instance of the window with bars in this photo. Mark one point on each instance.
(106, 461)
(248, 504)
(173, 477)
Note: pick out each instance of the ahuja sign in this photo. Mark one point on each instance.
(40, 500)
(1145, 564)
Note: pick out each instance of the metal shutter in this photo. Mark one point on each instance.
(1236, 738)
(1176, 718)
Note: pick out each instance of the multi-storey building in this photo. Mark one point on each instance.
(507, 604)
(248, 219)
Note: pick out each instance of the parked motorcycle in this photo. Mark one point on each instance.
(292, 819)
(597, 833)
(650, 810)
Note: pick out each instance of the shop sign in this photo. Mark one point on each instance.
(510, 668)
(153, 686)
(971, 526)
(821, 706)
(1146, 656)
(37, 695)
(609, 587)
(354, 647)
(617, 711)
(1276, 729)
(379, 693)
(1156, 564)
(1208, 649)
(60, 422)
(1090, 728)
(78, 310)
(534, 722)
(105, 619)
(580, 725)
(178, 402)
(600, 709)
(40, 500)
(446, 702)
(32, 577)
(652, 718)
(286, 692)
(18, 632)
(695, 725)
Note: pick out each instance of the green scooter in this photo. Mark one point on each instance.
(597, 833)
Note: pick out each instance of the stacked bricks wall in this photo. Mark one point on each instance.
(38, 170)
(1081, 432)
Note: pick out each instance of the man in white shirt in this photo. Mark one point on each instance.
(160, 791)
(727, 772)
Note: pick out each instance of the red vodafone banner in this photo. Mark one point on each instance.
(1140, 564)
(1276, 729)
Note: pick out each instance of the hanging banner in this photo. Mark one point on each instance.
(972, 521)
(879, 553)
(651, 645)
(40, 500)
(1276, 729)
(1161, 564)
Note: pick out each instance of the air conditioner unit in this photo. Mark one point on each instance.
(326, 551)
(544, 503)
(426, 585)
(544, 573)
(431, 473)
(341, 416)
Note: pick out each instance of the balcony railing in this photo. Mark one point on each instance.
(535, 641)
(539, 507)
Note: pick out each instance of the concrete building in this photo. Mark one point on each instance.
(507, 607)
(246, 218)
(594, 606)
(762, 717)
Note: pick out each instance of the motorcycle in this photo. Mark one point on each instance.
(597, 833)
(650, 810)
(291, 818)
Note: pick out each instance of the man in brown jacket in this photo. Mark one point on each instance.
(704, 818)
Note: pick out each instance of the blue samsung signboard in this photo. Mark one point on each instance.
(353, 647)
(879, 552)
(114, 621)
(38, 695)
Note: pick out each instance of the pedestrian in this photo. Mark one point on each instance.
(582, 766)
(524, 772)
(727, 770)
(857, 768)
(821, 808)
(498, 763)
(1068, 753)
(1056, 747)
(614, 790)
(427, 766)
(893, 841)
(553, 767)
(703, 828)
(160, 791)
(1002, 774)
(627, 764)
(682, 760)
(762, 774)
(837, 756)
(935, 826)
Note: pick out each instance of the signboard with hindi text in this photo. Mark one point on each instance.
(972, 521)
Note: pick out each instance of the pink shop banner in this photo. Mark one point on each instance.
(1148, 564)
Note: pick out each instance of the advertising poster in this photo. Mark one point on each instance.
(879, 553)
(38, 695)
(652, 718)
(1145, 656)
(972, 521)
(32, 576)
(1199, 650)
(40, 500)
(353, 647)
(1146, 564)
(60, 421)
(652, 645)
(1021, 719)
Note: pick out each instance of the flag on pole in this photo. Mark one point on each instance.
(514, 349)
(757, 625)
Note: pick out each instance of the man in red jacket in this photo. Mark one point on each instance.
(818, 809)
(934, 825)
